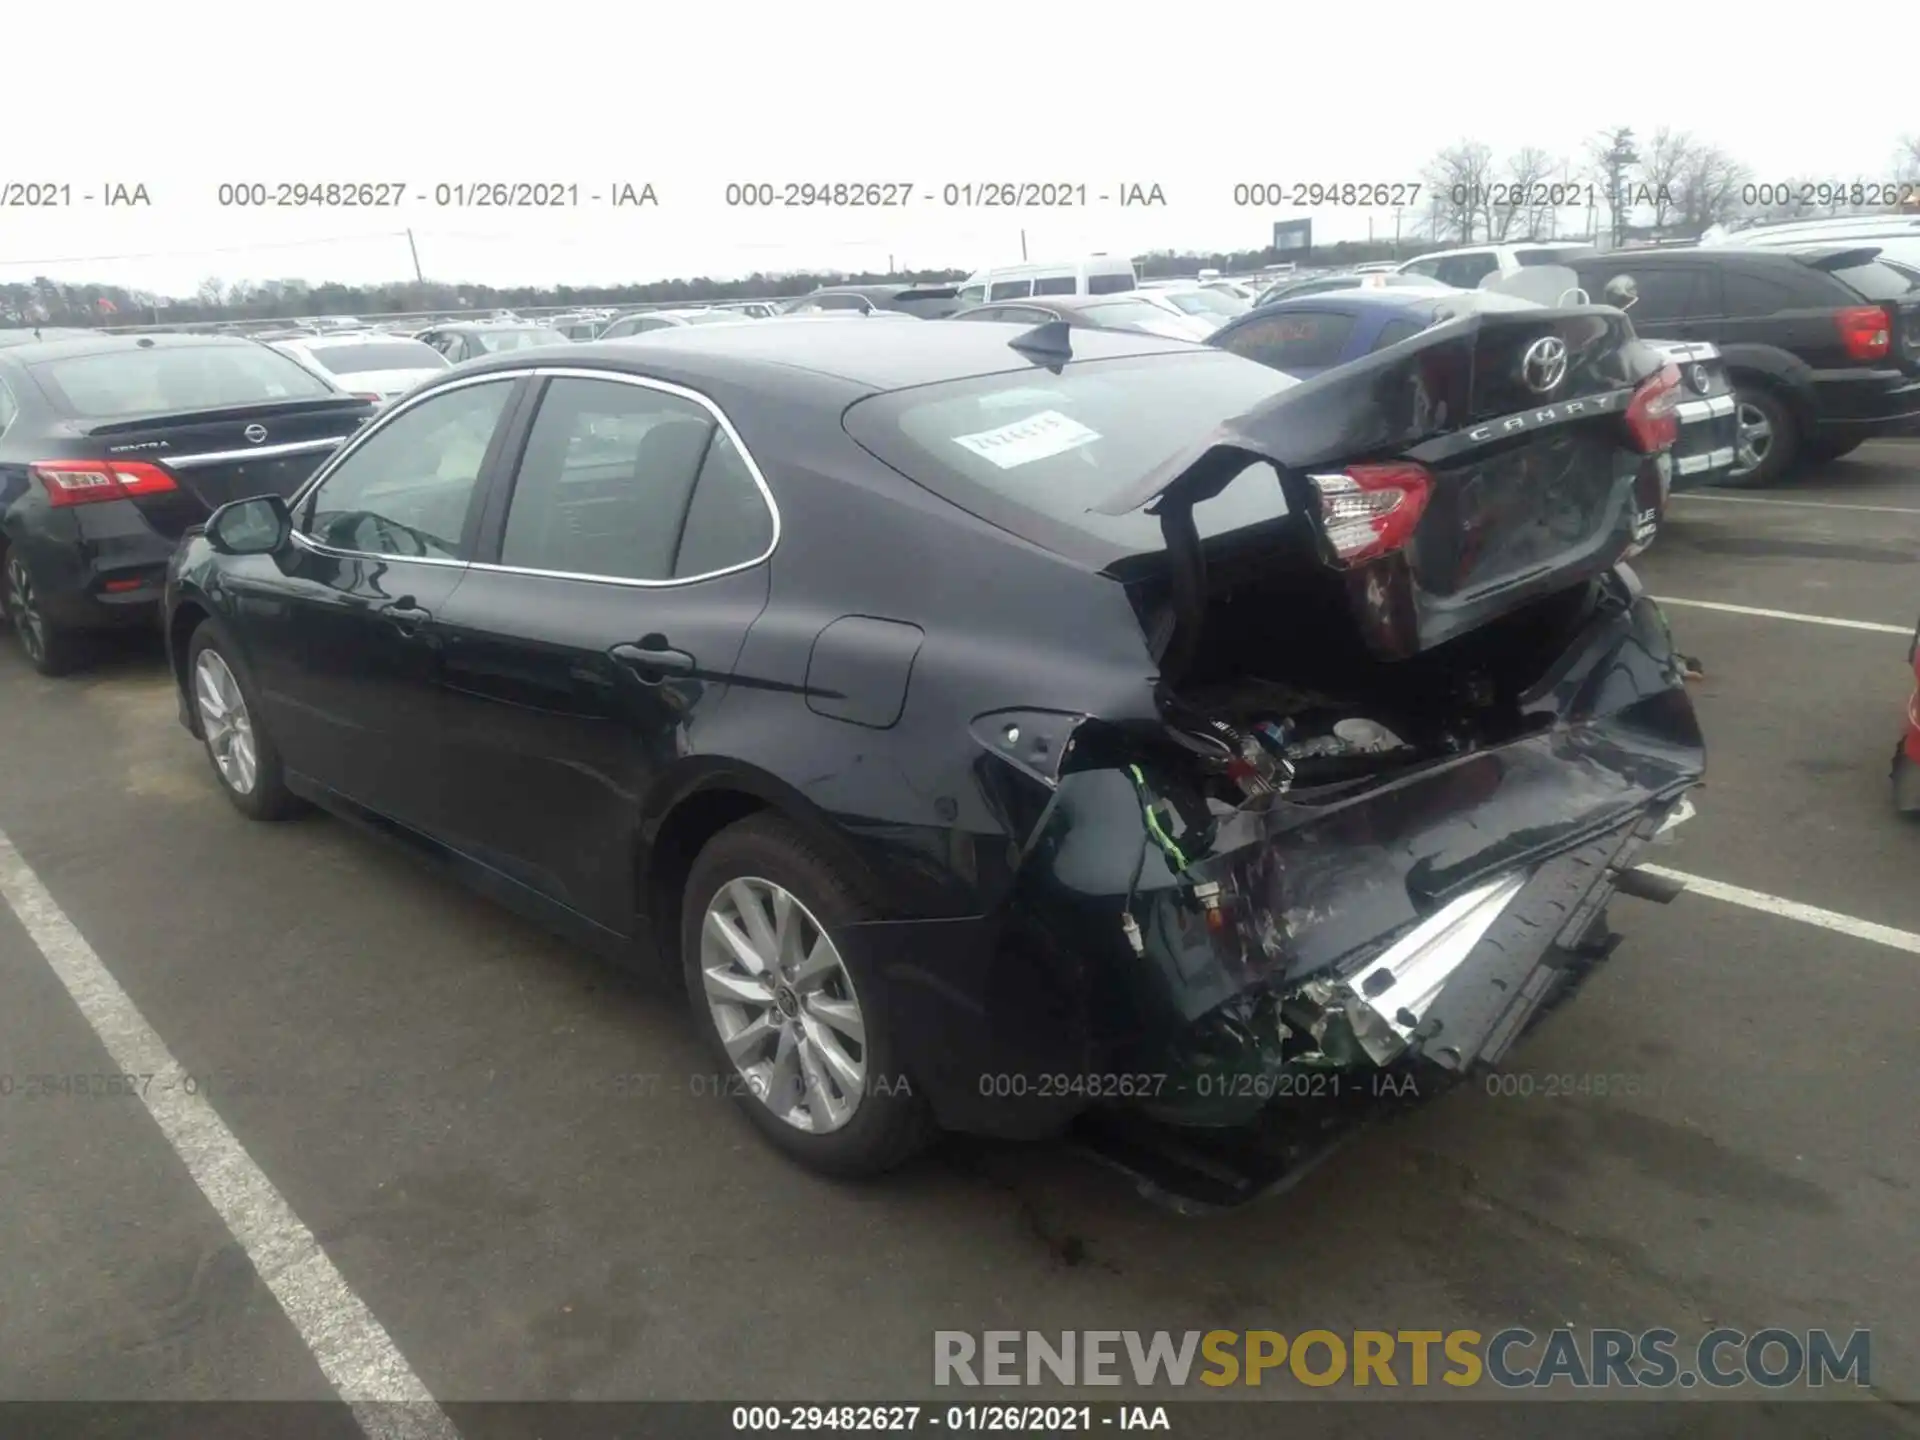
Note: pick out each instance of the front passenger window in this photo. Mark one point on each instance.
(406, 489)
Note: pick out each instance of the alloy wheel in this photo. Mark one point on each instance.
(23, 606)
(224, 718)
(1755, 441)
(783, 1004)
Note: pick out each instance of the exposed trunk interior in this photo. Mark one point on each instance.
(1281, 694)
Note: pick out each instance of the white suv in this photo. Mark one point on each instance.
(1466, 267)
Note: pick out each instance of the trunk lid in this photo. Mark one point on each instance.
(1519, 418)
(233, 453)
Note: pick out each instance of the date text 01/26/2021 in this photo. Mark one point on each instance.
(951, 194)
(905, 1419)
(322, 194)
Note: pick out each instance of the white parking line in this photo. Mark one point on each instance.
(1795, 504)
(355, 1353)
(1878, 627)
(1792, 910)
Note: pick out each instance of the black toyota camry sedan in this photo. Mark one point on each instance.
(992, 723)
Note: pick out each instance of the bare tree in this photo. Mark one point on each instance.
(1708, 190)
(1661, 166)
(1612, 156)
(1528, 180)
(1460, 179)
(1906, 157)
(211, 291)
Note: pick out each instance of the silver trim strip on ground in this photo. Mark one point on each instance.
(645, 382)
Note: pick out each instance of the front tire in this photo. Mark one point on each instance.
(242, 754)
(49, 648)
(793, 1020)
(1768, 444)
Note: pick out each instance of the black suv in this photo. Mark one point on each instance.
(1822, 343)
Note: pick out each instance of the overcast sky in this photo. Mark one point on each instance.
(195, 93)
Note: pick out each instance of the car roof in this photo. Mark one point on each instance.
(1357, 299)
(336, 338)
(491, 326)
(98, 344)
(876, 358)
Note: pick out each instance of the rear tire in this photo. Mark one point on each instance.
(813, 1062)
(1768, 445)
(51, 649)
(238, 747)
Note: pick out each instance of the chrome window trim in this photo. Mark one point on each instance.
(563, 372)
(366, 432)
(664, 387)
(292, 447)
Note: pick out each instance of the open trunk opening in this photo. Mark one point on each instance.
(1281, 694)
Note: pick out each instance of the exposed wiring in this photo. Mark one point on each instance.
(1168, 846)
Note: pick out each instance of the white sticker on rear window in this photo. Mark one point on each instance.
(1034, 438)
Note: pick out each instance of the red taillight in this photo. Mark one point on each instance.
(1866, 332)
(1653, 415)
(82, 482)
(1371, 510)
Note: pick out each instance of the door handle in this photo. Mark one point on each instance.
(405, 615)
(652, 660)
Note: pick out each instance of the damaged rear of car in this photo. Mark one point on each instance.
(1403, 718)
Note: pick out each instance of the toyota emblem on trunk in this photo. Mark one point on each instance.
(1544, 365)
(257, 433)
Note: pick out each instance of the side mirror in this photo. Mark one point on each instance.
(260, 526)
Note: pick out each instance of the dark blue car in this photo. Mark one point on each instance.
(1310, 333)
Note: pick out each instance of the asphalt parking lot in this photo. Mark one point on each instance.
(446, 1099)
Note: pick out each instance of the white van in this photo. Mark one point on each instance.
(1095, 275)
(1897, 237)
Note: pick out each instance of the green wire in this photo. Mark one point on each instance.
(1160, 836)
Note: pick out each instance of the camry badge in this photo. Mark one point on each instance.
(1544, 365)
(255, 434)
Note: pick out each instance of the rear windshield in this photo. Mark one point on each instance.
(378, 355)
(494, 341)
(1879, 280)
(1207, 302)
(175, 377)
(1052, 446)
(1119, 313)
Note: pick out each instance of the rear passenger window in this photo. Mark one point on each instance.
(728, 523)
(605, 485)
(1054, 285)
(1109, 284)
(1466, 271)
(1751, 292)
(1308, 339)
(1010, 290)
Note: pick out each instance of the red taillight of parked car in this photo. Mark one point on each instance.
(86, 482)
(1866, 332)
(1653, 415)
(1367, 511)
